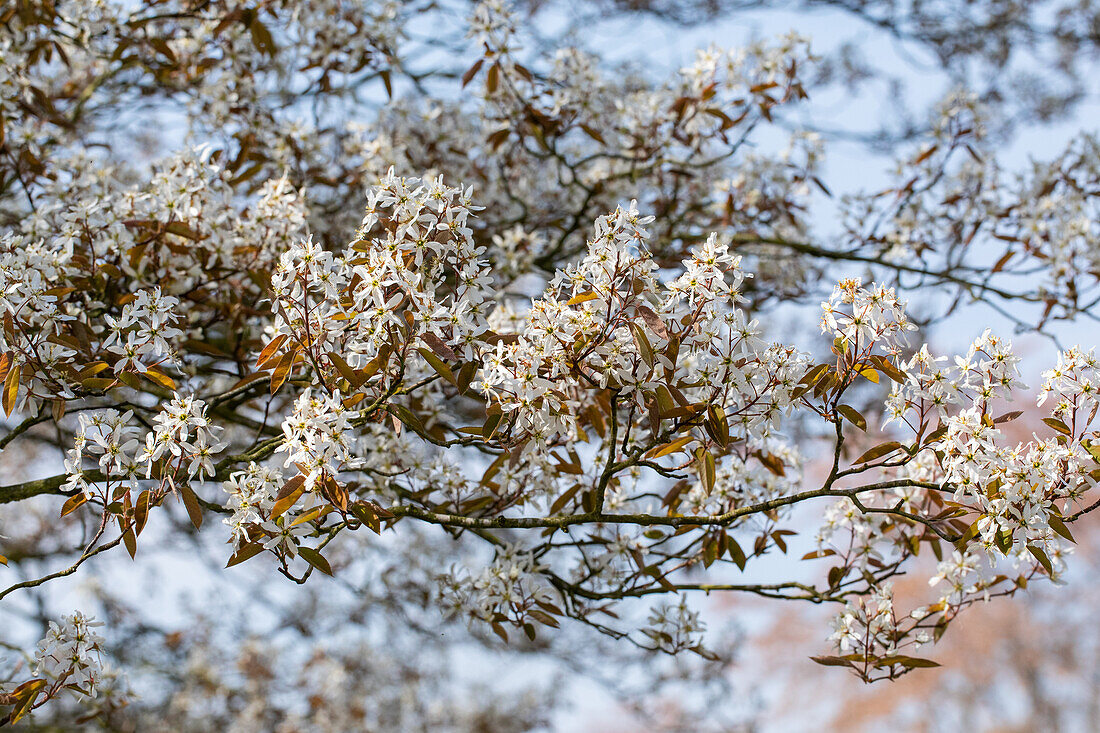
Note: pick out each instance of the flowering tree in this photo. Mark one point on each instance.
(515, 309)
(1029, 59)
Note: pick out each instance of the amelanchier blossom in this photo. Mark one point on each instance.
(535, 319)
(68, 659)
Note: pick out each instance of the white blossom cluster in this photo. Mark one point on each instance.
(612, 563)
(960, 577)
(143, 331)
(1027, 480)
(318, 437)
(193, 190)
(506, 589)
(32, 274)
(871, 632)
(862, 540)
(176, 228)
(1074, 384)
(345, 35)
(183, 433)
(1038, 224)
(635, 380)
(611, 319)
(87, 29)
(865, 317)
(252, 495)
(675, 627)
(726, 74)
(415, 266)
(741, 483)
(725, 355)
(183, 444)
(1015, 495)
(868, 625)
(109, 435)
(493, 24)
(521, 375)
(70, 654)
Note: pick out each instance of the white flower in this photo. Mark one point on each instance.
(71, 651)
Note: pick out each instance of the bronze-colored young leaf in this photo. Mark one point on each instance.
(245, 552)
(159, 378)
(668, 448)
(883, 449)
(1060, 527)
(269, 351)
(282, 371)
(736, 553)
(25, 696)
(141, 511)
(287, 496)
(471, 72)
(11, 388)
(436, 344)
(437, 364)
(129, 539)
(870, 374)
(73, 503)
(345, 371)
(316, 559)
(887, 367)
(191, 503)
(582, 298)
(833, 661)
(1058, 425)
(853, 416)
(642, 342)
(1042, 557)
